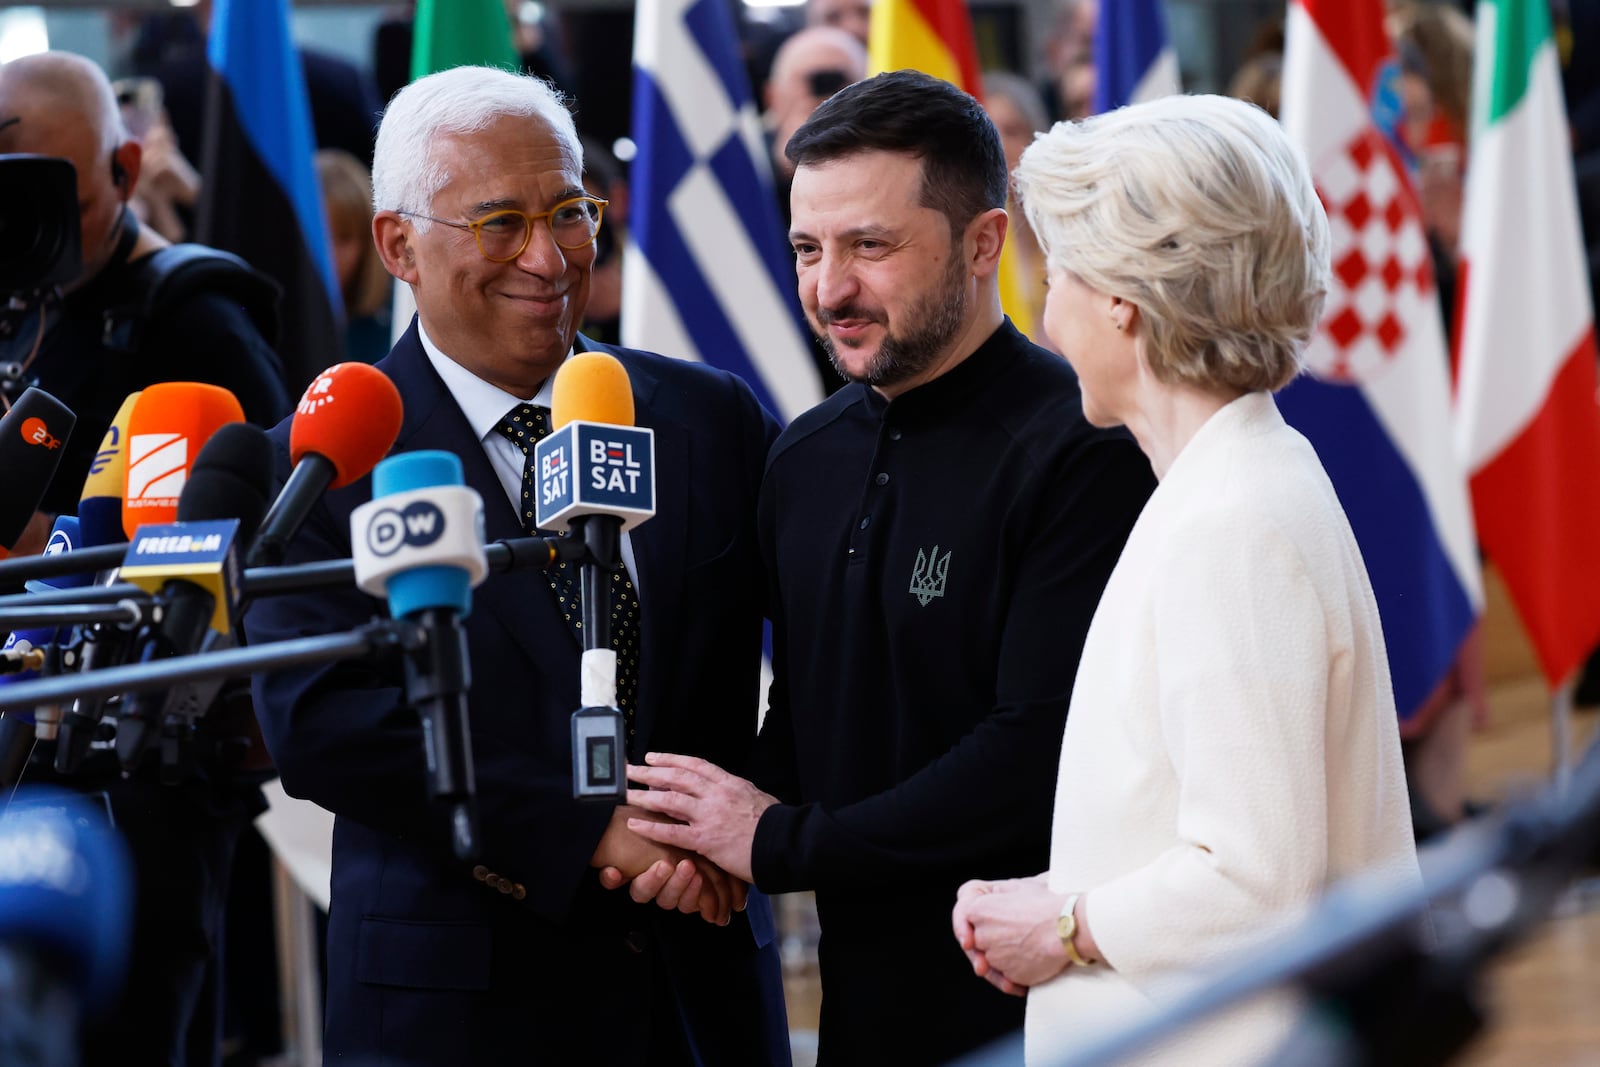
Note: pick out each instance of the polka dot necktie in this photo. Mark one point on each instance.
(524, 426)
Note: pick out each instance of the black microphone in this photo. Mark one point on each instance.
(231, 480)
(343, 425)
(420, 544)
(32, 434)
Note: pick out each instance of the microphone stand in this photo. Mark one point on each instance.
(1391, 970)
(518, 553)
(438, 676)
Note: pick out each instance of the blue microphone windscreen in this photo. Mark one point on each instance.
(422, 587)
(65, 889)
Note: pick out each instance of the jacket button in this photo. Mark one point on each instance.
(518, 891)
(481, 873)
(504, 886)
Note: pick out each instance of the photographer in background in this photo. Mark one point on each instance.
(138, 312)
(125, 322)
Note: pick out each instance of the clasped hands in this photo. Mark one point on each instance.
(685, 842)
(1008, 931)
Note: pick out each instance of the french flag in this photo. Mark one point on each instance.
(1132, 59)
(1376, 403)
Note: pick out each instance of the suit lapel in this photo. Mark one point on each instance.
(433, 420)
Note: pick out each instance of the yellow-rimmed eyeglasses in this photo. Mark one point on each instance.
(502, 235)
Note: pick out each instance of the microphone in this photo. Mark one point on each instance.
(99, 527)
(66, 902)
(99, 512)
(192, 566)
(344, 424)
(596, 477)
(169, 423)
(420, 543)
(31, 438)
(26, 652)
(100, 503)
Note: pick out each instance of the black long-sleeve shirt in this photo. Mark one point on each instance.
(934, 562)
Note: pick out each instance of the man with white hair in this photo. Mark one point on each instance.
(530, 956)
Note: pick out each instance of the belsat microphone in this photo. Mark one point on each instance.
(169, 424)
(420, 543)
(344, 424)
(31, 436)
(66, 904)
(597, 477)
(196, 581)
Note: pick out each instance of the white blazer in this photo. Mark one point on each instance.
(1232, 747)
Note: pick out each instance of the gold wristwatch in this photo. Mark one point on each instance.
(1067, 929)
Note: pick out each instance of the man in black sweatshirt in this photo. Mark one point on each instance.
(936, 535)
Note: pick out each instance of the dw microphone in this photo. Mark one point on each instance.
(420, 543)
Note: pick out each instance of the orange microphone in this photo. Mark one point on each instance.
(591, 387)
(169, 424)
(344, 424)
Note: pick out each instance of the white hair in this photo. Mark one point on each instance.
(1200, 212)
(406, 171)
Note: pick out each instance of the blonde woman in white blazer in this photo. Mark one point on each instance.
(1231, 748)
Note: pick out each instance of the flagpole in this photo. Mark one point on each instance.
(1561, 708)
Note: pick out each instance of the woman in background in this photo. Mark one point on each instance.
(366, 286)
(1231, 748)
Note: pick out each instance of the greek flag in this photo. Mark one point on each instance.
(1132, 59)
(708, 275)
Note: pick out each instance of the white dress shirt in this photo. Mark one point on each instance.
(485, 405)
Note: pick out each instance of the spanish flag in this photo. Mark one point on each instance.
(935, 37)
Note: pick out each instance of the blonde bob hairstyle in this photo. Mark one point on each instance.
(1200, 212)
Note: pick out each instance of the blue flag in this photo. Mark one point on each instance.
(261, 200)
(710, 276)
(1133, 61)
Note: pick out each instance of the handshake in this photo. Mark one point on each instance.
(685, 841)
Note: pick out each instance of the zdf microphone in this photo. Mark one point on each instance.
(31, 437)
(343, 425)
(169, 424)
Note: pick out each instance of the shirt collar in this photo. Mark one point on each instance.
(483, 404)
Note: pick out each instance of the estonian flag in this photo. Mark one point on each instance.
(261, 200)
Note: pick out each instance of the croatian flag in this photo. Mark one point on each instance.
(1376, 404)
(1132, 60)
(709, 275)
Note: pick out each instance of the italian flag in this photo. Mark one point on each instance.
(935, 37)
(1528, 427)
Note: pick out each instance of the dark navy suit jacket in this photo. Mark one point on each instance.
(531, 961)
